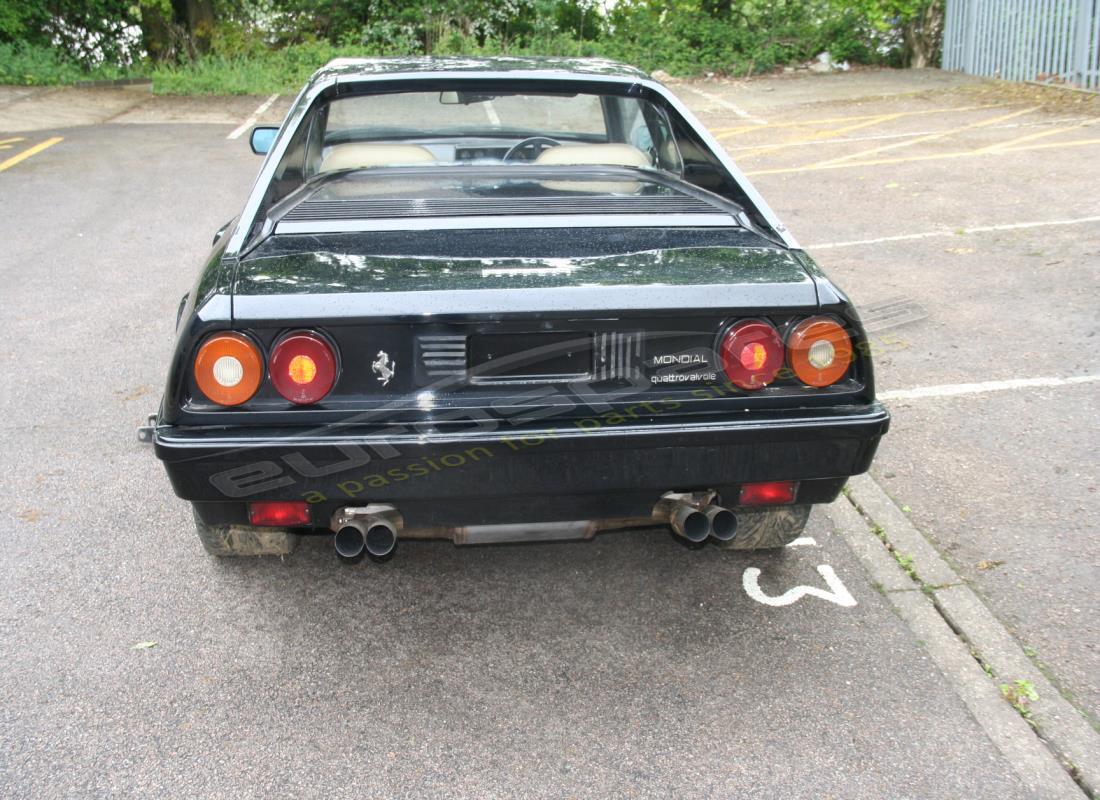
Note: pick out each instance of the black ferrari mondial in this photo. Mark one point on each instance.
(507, 300)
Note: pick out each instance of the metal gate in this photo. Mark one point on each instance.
(1025, 40)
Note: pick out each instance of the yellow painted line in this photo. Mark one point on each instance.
(30, 151)
(817, 136)
(929, 157)
(843, 140)
(10, 141)
(727, 133)
(723, 133)
(1030, 137)
(930, 137)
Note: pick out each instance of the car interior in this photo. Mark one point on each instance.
(346, 138)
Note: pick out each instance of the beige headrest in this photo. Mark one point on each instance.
(621, 155)
(358, 155)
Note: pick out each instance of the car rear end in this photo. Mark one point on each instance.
(528, 304)
(594, 384)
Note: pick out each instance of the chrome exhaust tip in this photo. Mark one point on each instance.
(381, 538)
(350, 541)
(722, 522)
(689, 523)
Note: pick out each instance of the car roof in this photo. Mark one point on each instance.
(494, 66)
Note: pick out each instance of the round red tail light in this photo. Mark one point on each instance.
(303, 367)
(820, 351)
(752, 354)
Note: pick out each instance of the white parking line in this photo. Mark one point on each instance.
(248, 123)
(836, 593)
(906, 135)
(953, 389)
(726, 104)
(803, 541)
(491, 113)
(930, 234)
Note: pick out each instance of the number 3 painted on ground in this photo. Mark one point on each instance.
(837, 592)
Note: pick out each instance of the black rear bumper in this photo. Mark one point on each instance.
(504, 475)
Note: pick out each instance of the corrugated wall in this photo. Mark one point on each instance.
(1025, 40)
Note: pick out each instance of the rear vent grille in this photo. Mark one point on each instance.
(379, 208)
(618, 356)
(443, 355)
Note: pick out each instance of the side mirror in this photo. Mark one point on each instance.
(262, 138)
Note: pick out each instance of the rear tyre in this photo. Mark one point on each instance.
(768, 529)
(227, 541)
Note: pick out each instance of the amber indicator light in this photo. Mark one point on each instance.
(819, 351)
(228, 368)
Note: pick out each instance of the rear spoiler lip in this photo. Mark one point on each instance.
(605, 301)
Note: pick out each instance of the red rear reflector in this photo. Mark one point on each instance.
(772, 493)
(279, 513)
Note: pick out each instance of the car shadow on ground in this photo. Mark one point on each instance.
(638, 586)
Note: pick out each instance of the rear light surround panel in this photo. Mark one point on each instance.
(359, 344)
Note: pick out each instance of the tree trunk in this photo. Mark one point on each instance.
(199, 18)
(922, 33)
(156, 34)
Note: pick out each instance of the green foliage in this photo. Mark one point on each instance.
(389, 38)
(265, 46)
(1021, 694)
(743, 38)
(32, 65)
(88, 32)
(38, 65)
(283, 70)
(20, 21)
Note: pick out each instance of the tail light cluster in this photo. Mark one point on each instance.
(818, 352)
(229, 368)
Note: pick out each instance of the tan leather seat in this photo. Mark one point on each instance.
(620, 155)
(359, 155)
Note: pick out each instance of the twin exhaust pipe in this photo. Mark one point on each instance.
(369, 530)
(698, 523)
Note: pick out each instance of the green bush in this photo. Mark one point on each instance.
(283, 71)
(38, 65)
(749, 38)
(267, 46)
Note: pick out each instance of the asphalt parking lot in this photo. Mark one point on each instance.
(961, 216)
(1003, 476)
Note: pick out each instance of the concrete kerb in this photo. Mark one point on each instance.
(934, 591)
